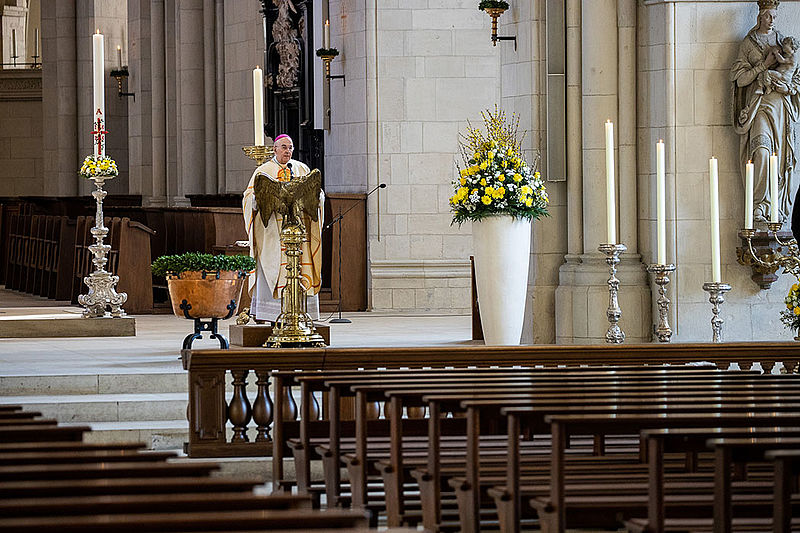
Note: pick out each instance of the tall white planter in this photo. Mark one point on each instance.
(502, 249)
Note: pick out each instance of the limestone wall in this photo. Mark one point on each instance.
(436, 68)
(685, 53)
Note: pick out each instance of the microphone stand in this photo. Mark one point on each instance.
(329, 225)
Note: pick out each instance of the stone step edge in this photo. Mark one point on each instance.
(69, 384)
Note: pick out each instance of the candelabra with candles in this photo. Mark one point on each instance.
(614, 335)
(102, 299)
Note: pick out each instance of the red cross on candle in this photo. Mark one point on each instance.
(99, 134)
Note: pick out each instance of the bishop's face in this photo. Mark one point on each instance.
(283, 151)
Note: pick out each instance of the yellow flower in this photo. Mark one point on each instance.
(487, 200)
(483, 182)
(797, 310)
(484, 165)
(476, 156)
(529, 202)
(473, 191)
(490, 155)
(463, 172)
(501, 177)
(489, 190)
(462, 181)
(525, 190)
(505, 164)
(498, 193)
(517, 177)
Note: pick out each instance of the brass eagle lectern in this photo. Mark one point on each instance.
(292, 200)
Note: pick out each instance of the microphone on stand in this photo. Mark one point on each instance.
(330, 224)
(338, 217)
(289, 166)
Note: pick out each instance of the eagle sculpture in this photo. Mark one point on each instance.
(291, 199)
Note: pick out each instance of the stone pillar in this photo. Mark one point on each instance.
(607, 85)
(60, 97)
(189, 43)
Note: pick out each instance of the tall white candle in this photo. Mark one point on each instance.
(774, 204)
(714, 191)
(748, 195)
(258, 106)
(119, 57)
(36, 42)
(661, 208)
(326, 35)
(611, 207)
(98, 86)
(13, 43)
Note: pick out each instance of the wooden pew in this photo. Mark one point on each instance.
(27, 433)
(554, 507)
(186, 521)
(339, 385)
(787, 468)
(461, 391)
(434, 417)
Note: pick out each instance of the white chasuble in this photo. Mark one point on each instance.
(269, 277)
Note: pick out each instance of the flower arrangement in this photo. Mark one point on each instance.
(492, 4)
(98, 166)
(495, 179)
(791, 315)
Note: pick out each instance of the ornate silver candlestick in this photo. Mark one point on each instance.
(614, 335)
(716, 295)
(663, 331)
(103, 299)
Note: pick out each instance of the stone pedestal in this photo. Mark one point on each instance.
(255, 335)
(60, 325)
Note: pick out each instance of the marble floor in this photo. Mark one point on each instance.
(156, 346)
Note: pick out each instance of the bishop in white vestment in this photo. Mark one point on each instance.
(269, 277)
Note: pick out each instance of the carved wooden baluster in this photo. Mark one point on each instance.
(745, 365)
(289, 405)
(239, 411)
(314, 409)
(262, 407)
(373, 410)
(768, 366)
(723, 365)
(415, 412)
(789, 367)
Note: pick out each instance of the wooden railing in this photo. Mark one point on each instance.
(219, 427)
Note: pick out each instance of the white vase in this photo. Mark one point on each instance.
(502, 249)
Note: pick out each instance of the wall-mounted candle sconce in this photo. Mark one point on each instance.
(121, 73)
(495, 8)
(327, 55)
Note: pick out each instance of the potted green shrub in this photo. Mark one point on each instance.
(204, 286)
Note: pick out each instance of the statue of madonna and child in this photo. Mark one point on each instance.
(766, 98)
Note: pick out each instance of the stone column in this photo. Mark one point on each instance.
(607, 84)
(60, 97)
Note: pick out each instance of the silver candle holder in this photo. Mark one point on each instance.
(716, 295)
(661, 277)
(102, 300)
(614, 335)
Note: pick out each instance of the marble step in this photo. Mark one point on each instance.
(155, 434)
(122, 383)
(105, 407)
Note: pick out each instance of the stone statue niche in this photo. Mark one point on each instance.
(766, 98)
